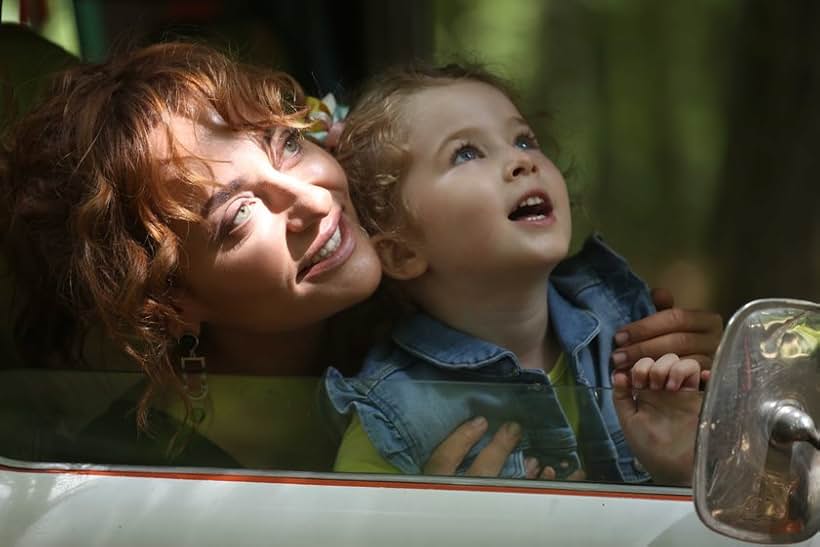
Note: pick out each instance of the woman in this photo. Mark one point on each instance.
(168, 196)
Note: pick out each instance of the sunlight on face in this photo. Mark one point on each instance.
(280, 247)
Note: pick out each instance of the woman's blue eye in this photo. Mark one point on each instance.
(465, 153)
(526, 142)
(242, 214)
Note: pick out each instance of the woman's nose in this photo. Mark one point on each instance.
(519, 165)
(312, 204)
(304, 203)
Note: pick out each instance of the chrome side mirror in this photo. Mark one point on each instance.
(757, 470)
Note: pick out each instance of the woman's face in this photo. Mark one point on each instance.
(280, 247)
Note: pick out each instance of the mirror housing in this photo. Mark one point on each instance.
(757, 470)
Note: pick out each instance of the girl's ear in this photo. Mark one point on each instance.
(400, 260)
(191, 314)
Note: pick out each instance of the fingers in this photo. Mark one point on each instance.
(688, 343)
(671, 320)
(451, 452)
(548, 474)
(621, 382)
(684, 375)
(577, 475)
(705, 361)
(622, 395)
(491, 459)
(647, 370)
(663, 299)
(669, 373)
(531, 466)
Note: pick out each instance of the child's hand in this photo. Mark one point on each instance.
(669, 373)
(660, 419)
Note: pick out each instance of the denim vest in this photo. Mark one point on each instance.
(428, 378)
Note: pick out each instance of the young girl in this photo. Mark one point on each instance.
(472, 222)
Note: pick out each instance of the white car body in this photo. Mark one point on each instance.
(76, 505)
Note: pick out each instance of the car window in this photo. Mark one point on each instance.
(687, 146)
(88, 417)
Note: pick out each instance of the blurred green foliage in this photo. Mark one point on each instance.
(641, 95)
(688, 129)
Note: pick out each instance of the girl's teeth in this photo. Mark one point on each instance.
(329, 247)
(531, 201)
(535, 217)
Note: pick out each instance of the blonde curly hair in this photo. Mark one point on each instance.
(373, 146)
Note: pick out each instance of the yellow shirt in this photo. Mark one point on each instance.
(291, 436)
(358, 455)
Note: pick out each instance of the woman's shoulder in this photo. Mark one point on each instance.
(113, 437)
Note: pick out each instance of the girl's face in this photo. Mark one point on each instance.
(481, 194)
(280, 247)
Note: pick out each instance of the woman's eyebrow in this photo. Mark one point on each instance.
(221, 196)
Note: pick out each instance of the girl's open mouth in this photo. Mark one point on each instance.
(532, 208)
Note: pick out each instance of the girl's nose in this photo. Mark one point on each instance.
(518, 166)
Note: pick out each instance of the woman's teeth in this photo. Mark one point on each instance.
(328, 248)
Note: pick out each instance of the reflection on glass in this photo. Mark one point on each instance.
(269, 423)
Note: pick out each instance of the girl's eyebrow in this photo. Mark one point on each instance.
(518, 120)
(454, 136)
(464, 132)
(221, 196)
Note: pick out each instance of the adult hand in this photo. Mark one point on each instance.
(693, 334)
(448, 455)
(660, 422)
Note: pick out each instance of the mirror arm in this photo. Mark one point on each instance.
(789, 423)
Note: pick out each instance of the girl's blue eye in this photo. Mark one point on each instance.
(465, 153)
(526, 142)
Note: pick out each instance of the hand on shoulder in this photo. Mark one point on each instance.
(693, 334)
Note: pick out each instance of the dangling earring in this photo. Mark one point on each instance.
(194, 375)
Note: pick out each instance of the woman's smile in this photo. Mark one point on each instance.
(335, 247)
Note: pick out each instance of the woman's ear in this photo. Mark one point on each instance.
(191, 314)
(400, 260)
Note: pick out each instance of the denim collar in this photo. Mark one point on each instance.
(441, 345)
(433, 341)
(575, 327)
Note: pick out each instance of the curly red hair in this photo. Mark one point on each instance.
(87, 210)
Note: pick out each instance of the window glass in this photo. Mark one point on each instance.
(688, 135)
(289, 424)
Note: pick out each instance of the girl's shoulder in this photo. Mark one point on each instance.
(597, 278)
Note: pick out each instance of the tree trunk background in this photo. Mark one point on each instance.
(767, 219)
